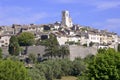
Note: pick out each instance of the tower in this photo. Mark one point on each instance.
(66, 19)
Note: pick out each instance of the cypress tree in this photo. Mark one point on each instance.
(14, 46)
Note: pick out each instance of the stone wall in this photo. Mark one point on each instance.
(81, 51)
(75, 51)
(35, 50)
(31, 49)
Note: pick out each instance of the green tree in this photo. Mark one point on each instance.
(0, 53)
(118, 47)
(46, 69)
(42, 42)
(66, 67)
(78, 67)
(14, 46)
(32, 57)
(12, 70)
(105, 66)
(26, 39)
(55, 67)
(63, 51)
(51, 51)
(88, 59)
(51, 46)
(91, 44)
(35, 74)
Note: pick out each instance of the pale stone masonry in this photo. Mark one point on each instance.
(80, 51)
(66, 19)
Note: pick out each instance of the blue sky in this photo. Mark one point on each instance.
(101, 14)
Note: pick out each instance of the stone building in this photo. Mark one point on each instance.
(66, 19)
(4, 40)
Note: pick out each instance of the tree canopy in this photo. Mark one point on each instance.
(12, 70)
(51, 46)
(0, 53)
(105, 66)
(55, 69)
(26, 39)
(118, 47)
(54, 49)
(14, 46)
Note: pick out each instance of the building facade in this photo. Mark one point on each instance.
(4, 40)
(66, 19)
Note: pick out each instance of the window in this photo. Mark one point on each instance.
(6, 43)
(2, 41)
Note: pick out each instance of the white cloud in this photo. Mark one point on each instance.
(103, 5)
(9, 11)
(98, 4)
(20, 15)
(64, 1)
(23, 19)
(68, 1)
(114, 20)
(19, 20)
(112, 24)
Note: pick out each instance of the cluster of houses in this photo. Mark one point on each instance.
(65, 31)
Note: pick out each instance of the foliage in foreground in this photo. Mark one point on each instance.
(12, 70)
(0, 53)
(104, 66)
(55, 69)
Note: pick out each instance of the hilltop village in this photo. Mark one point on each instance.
(80, 39)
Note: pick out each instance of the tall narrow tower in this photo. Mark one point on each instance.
(66, 19)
